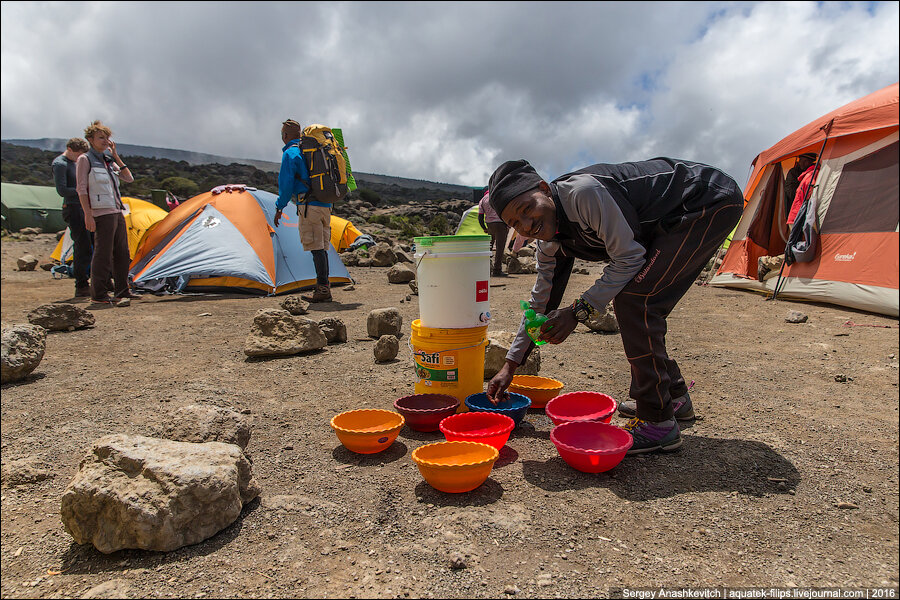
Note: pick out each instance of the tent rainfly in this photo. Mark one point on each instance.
(31, 206)
(222, 241)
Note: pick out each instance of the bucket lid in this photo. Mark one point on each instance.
(430, 240)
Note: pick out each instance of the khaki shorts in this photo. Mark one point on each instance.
(315, 227)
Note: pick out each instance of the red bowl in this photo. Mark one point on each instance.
(424, 412)
(581, 406)
(485, 427)
(591, 446)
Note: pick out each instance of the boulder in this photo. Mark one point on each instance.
(26, 263)
(276, 332)
(526, 251)
(334, 329)
(382, 255)
(295, 305)
(21, 351)
(520, 265)
(198, 424)
(795, 316)
(384, 321)
(350, 259)
(400, 273)
(61, 317)
(30, 231)
(386, 348)
(401, 254)
(604, 322)
(495, 356)
(152, 494)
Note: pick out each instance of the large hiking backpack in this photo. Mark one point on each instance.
(326, 164)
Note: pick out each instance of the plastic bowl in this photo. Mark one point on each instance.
(485, 427)
(591, 446)
(540, 389)
(581, 406)
(423, 412)
(455, 467)
(515, 406)
(368, 430)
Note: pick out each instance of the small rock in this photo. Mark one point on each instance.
(458, 561)
(22, 351)
(511, 590)
(386, 348)
(334, 329)
(60, 317)
(295, 305)
(400, 273)
(795, 316)
(24, 471)
(114, 588)
(26, 263)
(841, 378)
(384, 321)
(847, 505)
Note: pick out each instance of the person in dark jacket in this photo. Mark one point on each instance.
(657, 223)
(63, 167)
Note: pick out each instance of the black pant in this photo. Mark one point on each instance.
(675, 257)
(110, 256)
(499, 232)
(82, 243)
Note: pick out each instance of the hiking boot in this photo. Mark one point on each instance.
(106, 302)
(762, 271)
(650, 437)
(122, 302)
(322, 294)
(132, 295)
(684, 409)
(83, 292)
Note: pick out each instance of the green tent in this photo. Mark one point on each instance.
(31, 206)
(468, 224)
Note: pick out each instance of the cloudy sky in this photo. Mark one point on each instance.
(446, 91)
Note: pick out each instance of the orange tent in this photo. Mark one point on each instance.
(855, 196)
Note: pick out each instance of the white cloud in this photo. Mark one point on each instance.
(445, 91)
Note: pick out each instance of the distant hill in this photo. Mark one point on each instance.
(199, 158)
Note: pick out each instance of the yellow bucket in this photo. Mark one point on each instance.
(449, 361)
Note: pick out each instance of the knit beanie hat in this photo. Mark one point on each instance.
(511, 179)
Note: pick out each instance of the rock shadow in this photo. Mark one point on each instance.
(334, 306)
(702, 464)
(30, 378)
(85, 559)
(395, 451)
(487, 493)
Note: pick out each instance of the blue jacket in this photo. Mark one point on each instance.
(293, 178)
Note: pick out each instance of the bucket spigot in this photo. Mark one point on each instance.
(485, 317)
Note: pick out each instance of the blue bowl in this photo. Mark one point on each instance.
(515, 407)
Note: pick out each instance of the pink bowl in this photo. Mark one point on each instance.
(591, 446)
(485, 427)
(581, 406)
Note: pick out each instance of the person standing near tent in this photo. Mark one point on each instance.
(657, 222)
(492, 224)
(65, 178)
(315, 216)
(792, 180)
(98, 178)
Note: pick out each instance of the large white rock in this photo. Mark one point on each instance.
(384, 321)
(495, 355)
(21, 351)
(152, 494)
(276, 332)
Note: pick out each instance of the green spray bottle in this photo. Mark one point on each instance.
(533, 323)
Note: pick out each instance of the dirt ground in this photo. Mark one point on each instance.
(790, 478)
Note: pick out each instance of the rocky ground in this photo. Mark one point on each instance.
(790, 478)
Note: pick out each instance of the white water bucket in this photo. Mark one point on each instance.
(453, 273)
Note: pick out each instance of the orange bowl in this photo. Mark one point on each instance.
(367, 430)
(455, 467)
(540, 389)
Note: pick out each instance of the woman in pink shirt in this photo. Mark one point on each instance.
(97, 182)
